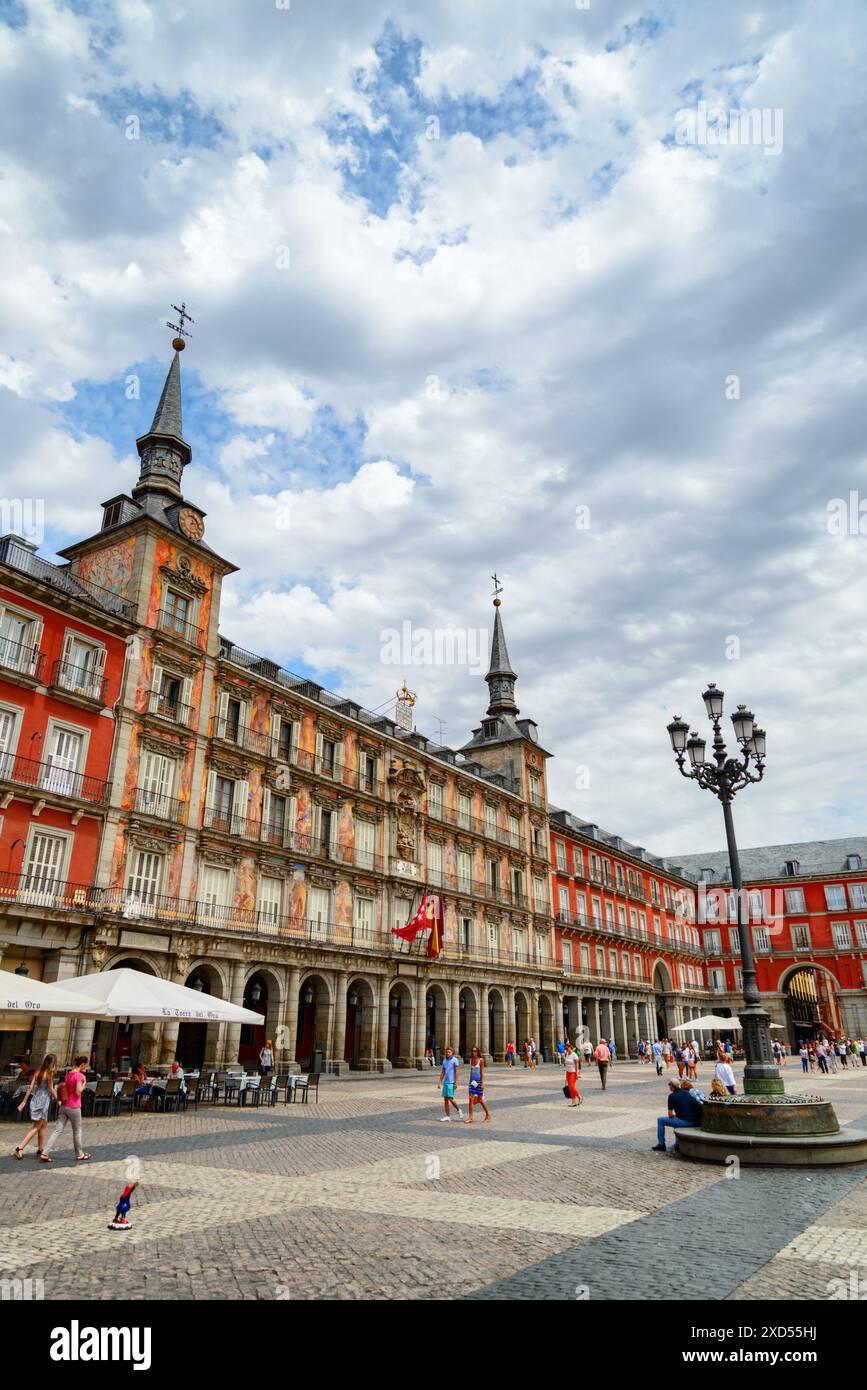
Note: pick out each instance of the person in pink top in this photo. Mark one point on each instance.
(70, 1112)
(602, 1053)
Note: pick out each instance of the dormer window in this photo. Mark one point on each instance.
(112, 514)
(707, 875)
(489, 728)
(792, 867)
(853, 861)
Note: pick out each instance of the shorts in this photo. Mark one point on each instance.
(448, 1090)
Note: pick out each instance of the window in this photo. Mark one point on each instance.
(328, 755)
(560, 855)
(540, 897)
(756, 905)
(858, 894)
(466, 934)
(215, 890)
(519, 943)
(861, 933)
(176, 612)
(368, 775)
(145, 876)
(581, 906)
(597, 912)
(842, 936)
(494, 876)
(853, 861)
(633, 919)
(835, 897)
(621, 917)
(563, 903)
(762, 939)
(493, 939)
(618, 875)
(464, 810)
(365, 843)
(594, 868)
(490, 820)
(319, 910)
(584, 952)
(64, 756)
(156, 785)
(795, 900)
(739, 979)
(566, 956)
(364, 917)
(717, 981)
(612, 962)
(609, 916)
(9, 721)
(600, 960)
(269, 901)
(20, 634)
(734, 940)
(654, 892)
(435, 800)
(801, 936)
(285, 740)
(402, 912)
(578, 860)
(465, 870)
(541, 941)
(435, 862)
(666, 889)
(707, 876)
(712, 943)
(325, 823)
(45, 863)
(792, 868)
(538, 840)
(514, 830)
(82, 667)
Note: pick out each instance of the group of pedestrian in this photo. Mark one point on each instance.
(475, 1088)
(41, 1091)
(829, 1054)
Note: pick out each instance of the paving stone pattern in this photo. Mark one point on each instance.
(368, 1195)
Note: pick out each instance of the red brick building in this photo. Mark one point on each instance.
(807, 905)
(62, 654)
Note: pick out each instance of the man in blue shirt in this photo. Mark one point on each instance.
(448, 1081)
(684, 1112)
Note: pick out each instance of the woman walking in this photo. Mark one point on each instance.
(572, 1065)
(40, 1093)
(477, 1084)
(69, 1095)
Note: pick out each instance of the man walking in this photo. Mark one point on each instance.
(603, 1059)
(684, 1112)
(448, 1081)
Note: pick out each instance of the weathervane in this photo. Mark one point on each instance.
(178, 343)
(498, 589)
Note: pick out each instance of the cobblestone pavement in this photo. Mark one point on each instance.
(368, 1195)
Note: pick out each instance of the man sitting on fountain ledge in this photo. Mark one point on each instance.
(684, 1112)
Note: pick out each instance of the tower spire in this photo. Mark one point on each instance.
(163, 451)
(501, 678)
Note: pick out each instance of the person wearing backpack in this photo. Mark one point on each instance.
(40, 1093)
(69, 1094)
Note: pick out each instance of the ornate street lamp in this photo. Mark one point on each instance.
(725, 776)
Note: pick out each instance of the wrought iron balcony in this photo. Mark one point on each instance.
(168, 708)
(52, 779)
(23, 659)
(147, 802)
(178, 627)
(78, 680)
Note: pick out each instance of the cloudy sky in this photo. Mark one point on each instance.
(474, 290)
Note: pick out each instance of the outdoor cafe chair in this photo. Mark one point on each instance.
(281, 1085)
(306, 1084)
(125, 1096)
(232, 1091)
(101, 1098)
(253, 1089)
(172, 1096)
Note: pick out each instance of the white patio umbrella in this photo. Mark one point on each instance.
(19, 994)
(709, 1022)
(139, 997)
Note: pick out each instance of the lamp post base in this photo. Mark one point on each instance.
(761, 1074)
(758, 1083)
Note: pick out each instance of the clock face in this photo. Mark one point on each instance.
(531, 730)
(191, 524)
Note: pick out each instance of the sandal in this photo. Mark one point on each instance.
(16, 1152)
(43, 1158)
(82, 1158)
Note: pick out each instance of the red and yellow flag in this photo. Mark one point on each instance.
(429, 917)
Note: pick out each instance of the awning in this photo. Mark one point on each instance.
(26, 999)
(143, 998)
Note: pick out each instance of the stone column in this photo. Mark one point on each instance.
(52, 1033)
(594, 1020)
(233, 1030)
(286, 1042)
(484, 1024)
(381, 1056)
(337, 1024)
(453, 1020)
(632, 1030)
(420, 1020)
(533, 996)
(620, 1035)
(176, 974)
(509, 1023)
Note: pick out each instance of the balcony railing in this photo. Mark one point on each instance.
(252, 740)
(20, 557)
(167, 708)
(476, 825)
(147, 802)
(22, 658)
(188, 632)
(78, 680)
(52, 779)
(230, 822)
